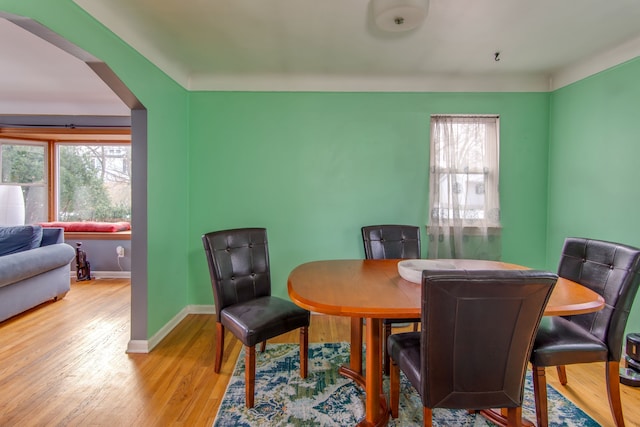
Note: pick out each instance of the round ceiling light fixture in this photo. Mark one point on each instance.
(399, 15)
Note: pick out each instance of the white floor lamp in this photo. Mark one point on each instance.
(11, 205)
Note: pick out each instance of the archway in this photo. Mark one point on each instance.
(139, 275)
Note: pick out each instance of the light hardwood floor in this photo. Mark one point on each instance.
(64, 364)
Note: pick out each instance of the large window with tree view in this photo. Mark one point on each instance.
(94, 183)
(58, 181)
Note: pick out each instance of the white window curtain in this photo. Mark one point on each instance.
(464, 202)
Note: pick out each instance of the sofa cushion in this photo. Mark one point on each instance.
(19, 238)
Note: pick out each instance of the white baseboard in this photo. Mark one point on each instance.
(202, 309)
(111, 274)
(145, 346)
(138, 346)
(106, 274)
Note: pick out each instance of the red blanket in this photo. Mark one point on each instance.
(90, 226)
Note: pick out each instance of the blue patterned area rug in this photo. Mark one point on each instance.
(326, 398)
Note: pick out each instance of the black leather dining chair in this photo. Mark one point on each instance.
(241, 280)
(474, 346)
(612, 270)
(391, 242)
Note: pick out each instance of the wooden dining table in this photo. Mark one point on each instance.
(374, 290)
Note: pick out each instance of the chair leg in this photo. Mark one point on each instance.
(250, 375)
(415, 326)
(613, 390)
(540, 394)
(394, 389)
(263, 346)
(385, 356)
(562, 374)
(219, 347)
(304, 351)
(514, 417)
(427, 416)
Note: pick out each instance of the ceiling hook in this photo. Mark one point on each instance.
(496, 56)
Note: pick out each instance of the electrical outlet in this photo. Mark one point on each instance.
(120, 251)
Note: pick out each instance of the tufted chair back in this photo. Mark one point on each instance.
(239, 265)
(391, 241)
(611, 270)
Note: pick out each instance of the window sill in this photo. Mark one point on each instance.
(95, 235)
(470, 230)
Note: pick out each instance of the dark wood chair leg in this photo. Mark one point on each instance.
(613, 390)
(562, 374)
(263, 346)
(415, 326)
(514, 417)
(304, 351)
(394, 389)
(540, 394)
(385, 356)
(427, 415)
(250, 375)
(219, 347)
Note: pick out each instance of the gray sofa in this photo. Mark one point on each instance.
(33, 276)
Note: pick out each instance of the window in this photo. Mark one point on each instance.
(463, 186)
(64, 175)
(94, 182)
(24, 183)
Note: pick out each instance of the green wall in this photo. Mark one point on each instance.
(314, 167)
(167, 151)
(593, 168)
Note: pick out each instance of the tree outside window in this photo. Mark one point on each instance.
(23, 187)
(93, 182)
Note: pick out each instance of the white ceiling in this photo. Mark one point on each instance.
(38, 78)
(329, 45)
(333, 45)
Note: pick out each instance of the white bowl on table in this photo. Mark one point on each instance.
(411, 269)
